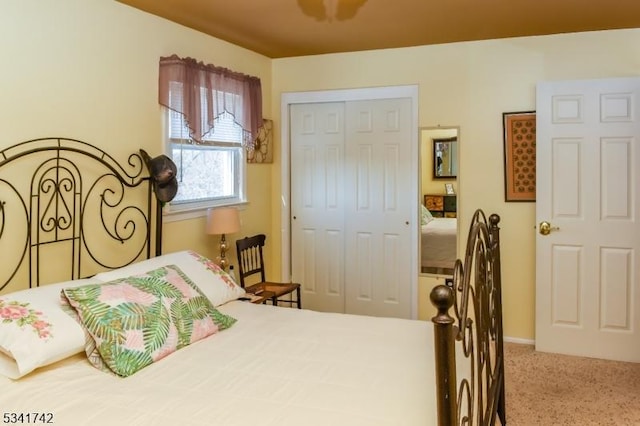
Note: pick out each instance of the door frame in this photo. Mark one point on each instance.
(345, 95)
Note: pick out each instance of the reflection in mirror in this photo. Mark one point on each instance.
(439, 206)
(445, 158)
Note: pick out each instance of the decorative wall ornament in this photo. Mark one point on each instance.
(519, 155)
(262, 149)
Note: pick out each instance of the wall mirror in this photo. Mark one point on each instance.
(438, 200)
(445, 158)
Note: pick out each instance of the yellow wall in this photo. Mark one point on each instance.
(89, 70)
(471, 85)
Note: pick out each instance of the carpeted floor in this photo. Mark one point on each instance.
(556, 390)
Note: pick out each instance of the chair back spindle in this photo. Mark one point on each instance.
(250, 258)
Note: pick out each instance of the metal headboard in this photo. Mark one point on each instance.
(476, 326)
(68, 210)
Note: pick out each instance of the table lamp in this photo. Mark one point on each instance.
(222, 221)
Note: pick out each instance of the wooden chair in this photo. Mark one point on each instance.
(250, 262)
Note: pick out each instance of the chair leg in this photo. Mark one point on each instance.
(298, 298)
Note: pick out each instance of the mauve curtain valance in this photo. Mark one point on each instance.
(188, 86)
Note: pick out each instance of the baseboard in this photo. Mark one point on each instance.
(519, 340)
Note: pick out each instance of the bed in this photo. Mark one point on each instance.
(81, 239)
(438, 239)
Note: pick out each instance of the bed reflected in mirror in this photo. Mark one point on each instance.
(439, 147)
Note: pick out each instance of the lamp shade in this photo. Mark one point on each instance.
(223, 220)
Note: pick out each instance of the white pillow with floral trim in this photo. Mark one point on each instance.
(35, 331)
(216, 284)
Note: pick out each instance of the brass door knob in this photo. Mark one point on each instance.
(546, 228)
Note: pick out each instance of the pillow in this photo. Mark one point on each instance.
(35, 331)
(138, 320)
(425, 215)
(215, 283)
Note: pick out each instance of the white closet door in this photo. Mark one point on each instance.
(351, 204)
(378, 207)
(317, 204)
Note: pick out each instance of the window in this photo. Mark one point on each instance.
(213, 113)
(212, 172)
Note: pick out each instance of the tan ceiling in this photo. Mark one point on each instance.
(286, 28)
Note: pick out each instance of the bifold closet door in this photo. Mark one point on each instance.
(351, 205)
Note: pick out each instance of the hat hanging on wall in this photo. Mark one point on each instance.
(163, 173)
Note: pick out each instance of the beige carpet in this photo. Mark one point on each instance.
(550, 389)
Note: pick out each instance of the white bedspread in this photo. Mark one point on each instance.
(438, 240)
(275, 366)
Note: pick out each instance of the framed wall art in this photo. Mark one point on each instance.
(448, 189)
(262, 149)
(519, 155)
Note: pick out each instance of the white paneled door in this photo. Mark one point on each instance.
(588, 232)
(317, 204)
(351, 205)
(378, 207)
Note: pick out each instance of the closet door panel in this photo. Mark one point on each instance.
(317, 204)
(378, 204)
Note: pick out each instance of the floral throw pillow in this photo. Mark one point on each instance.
(138, 320)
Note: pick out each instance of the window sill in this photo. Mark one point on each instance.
(194, 212)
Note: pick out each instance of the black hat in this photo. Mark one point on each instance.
(163, 173)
